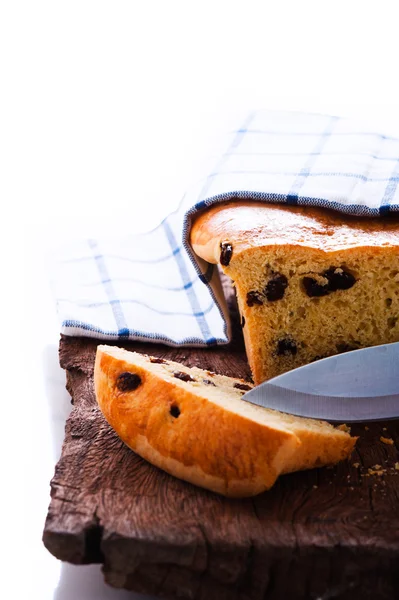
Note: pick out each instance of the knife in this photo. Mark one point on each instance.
(358, 386)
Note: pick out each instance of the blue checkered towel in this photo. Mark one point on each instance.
(152, 286)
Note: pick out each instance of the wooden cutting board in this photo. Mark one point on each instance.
(326, 533)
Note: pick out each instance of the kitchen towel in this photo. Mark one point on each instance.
(151, 287)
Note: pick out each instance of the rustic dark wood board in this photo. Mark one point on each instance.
(326, 533)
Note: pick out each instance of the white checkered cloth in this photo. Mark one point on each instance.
(152, 287)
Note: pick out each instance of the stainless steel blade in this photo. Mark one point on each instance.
(362, 385)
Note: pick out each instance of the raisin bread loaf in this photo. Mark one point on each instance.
(194, 425)
(310, 283)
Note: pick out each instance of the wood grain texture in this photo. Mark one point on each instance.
(326, 533)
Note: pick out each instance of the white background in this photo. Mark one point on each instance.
(107, 109)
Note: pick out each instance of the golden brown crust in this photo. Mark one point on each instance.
(208, 444)
(316, 452)
(253, 224)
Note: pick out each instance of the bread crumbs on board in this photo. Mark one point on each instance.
(385, 440)
(344, 428)
(377, 470)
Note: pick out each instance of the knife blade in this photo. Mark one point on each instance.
(358, 386)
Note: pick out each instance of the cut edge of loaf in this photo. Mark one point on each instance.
(206, 434)
(283, 334)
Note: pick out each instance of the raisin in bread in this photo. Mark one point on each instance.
(310, 283)
(194, 425)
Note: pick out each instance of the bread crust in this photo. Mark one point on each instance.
(253, 224)
(206, 445)
(233, 447)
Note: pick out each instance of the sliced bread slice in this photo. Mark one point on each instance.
(193, 424)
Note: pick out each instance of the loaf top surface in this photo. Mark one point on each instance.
(249, 224)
